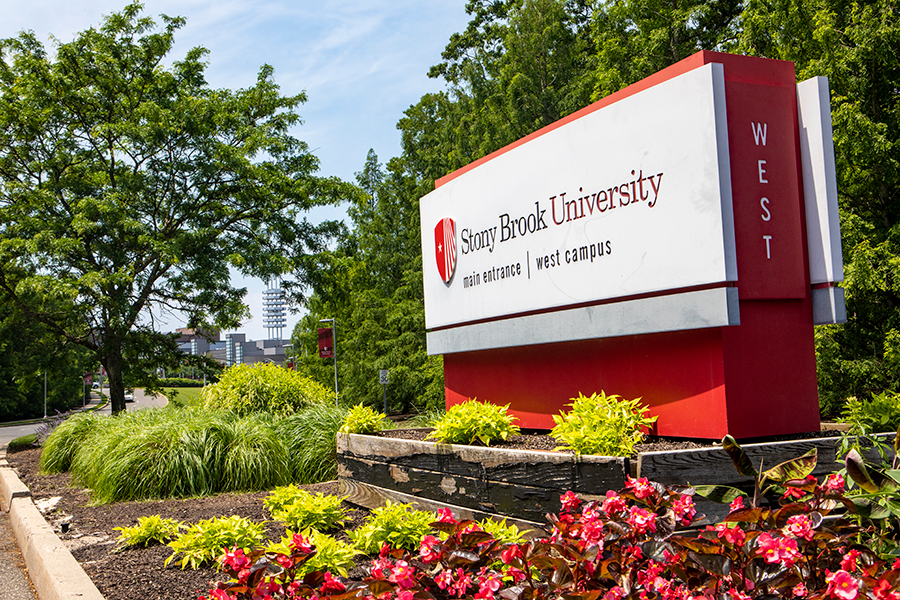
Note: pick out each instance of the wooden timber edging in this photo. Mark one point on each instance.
(526, 484)
(523, 484)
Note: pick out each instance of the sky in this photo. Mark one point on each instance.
(361, 63)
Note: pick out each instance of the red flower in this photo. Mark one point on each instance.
(736, 504)
(799, 526)
(849, 561)
(430, 549)
(570, 502)
(613, 504)
(842, 585)
(514, 551)
(298, 542)
(236, 560)
(641, 520)
(445, 516)
(331, 585)
(642, 488)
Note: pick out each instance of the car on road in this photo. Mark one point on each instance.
(129, 395)
(95, 385)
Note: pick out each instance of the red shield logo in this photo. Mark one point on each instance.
(445, 248)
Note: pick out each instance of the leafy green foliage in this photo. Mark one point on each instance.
(601, 424)
(474, 421)
(362, 419)
(331, 554)
(299, 510)
(310, 437)
(180, 382)
(503, 532)
(151, 529)
(263, 387)
(203, 542)
(395, 524)
(878, 414)
(127, 185)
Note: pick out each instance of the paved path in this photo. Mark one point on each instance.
(15, 583)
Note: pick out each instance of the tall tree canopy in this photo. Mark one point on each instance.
(522, 64)
(129, 188)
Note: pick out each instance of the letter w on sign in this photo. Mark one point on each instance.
(445, 248)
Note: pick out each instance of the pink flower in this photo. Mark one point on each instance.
(642, 488)
(641, 520)
(736, 504)
(733, 535)
(444, 579)
(834, 483)
(463, 581)
(738, 595)
(405, 595)
(445, 516)
(613, 504)
(614, 593)
(882, 591)
(487, 586)
(236, 560)
(849, 561)
(800, 590)
(513, 552)
(793, 493)
(570, 502)
(430, 549)
(842, 585)
(331, 585)
(266, 588)
(298, 542)
(684, 509)
(403, 575)
(284, 560)
(799, 526)
(218, 594)
(518, 575)
(775, 550)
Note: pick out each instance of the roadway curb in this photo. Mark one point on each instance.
(55, 573)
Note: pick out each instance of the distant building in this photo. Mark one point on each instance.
(237, 350)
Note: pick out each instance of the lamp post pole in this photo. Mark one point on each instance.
(334, 351)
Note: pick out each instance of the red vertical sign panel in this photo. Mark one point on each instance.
(326, 343)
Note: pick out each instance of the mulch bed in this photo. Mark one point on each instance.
(138, 573)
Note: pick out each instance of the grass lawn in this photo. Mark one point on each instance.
(187, 396)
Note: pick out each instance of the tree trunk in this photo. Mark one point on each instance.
(113, 364)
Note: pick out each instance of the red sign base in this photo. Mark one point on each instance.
(757, 379)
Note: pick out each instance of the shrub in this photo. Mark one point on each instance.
(22, 443)
(331, 555)
(203, 542)
(61, 445)
(148, 530)
(299, 510)
(601, 424)
(472, 420)
(501, 531)
(395, 524)
(259, 387)
(362, 419)
(879, 414)
(310, 438)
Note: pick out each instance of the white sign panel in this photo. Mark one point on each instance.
(630, 199)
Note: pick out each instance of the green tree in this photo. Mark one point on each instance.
(857, 45)
(128, 190)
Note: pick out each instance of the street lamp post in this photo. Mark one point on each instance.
(334, 351)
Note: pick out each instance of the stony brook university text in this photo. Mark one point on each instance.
(640, 190)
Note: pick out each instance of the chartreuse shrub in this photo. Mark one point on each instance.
(246, 389)
(362, 419)
(474, 421)
(299, 510)
(148, 530)
(203, 542)
(331, 554)
(633, 543)
(394, 524)
(601, 424)
(879, 414)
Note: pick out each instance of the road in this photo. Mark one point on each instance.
(141, 401)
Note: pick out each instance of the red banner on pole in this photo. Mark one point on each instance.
(326, 343)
